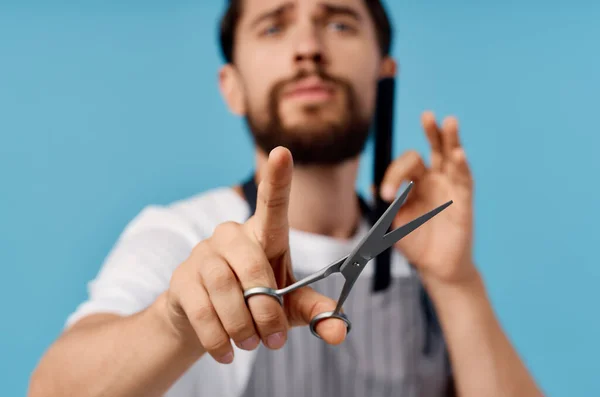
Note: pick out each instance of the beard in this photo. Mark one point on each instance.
(316, 142)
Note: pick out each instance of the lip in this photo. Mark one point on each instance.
(312, 88)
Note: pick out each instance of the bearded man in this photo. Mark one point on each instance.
(166, 314)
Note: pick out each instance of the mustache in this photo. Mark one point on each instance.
(303, 74)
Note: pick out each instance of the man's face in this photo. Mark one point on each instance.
(308, 70)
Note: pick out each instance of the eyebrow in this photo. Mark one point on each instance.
(329, 9)
(271, 14)
(335, 9)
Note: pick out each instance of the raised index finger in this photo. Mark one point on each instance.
(435, 140)
(271, 225)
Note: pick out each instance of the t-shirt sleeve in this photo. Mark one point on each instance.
(139, 266)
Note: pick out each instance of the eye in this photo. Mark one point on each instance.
(341, 26)
(271, 30)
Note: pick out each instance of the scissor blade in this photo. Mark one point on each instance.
(373, 237)
(345, 293)
(396, 235)
(319, 275)
(383, 223)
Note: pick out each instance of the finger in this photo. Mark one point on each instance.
(408, 167)
(249, 264)
(449, 136)
(305, 303)
(228, 301)
(270, 222)
(435, 140)
(205, 321)
(458, 168)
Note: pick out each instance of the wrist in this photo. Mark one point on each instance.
(460, 301)
(468, 282)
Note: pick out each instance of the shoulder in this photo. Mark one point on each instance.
(192, 218)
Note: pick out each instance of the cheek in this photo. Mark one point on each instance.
(260, 74)
(256, 92)
(361, 70)
(365, 90)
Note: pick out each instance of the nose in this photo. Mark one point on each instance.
(309, 57)
(308, 50)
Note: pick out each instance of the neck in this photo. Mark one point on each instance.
(322, 198)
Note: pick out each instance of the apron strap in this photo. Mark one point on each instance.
(250, 190)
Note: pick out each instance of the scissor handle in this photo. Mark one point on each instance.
(263, 291)
(313, 323)
(326, 315)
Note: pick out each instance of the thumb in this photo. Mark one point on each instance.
(270, 221)
(305, 303)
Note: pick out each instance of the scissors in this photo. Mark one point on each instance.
(374, 243)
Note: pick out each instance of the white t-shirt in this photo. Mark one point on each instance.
(384, 352)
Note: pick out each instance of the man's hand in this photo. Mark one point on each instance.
(205, 298)
(442, 248)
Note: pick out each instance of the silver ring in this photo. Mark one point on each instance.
(263, 291)
(326, 315)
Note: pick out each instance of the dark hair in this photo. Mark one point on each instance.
(234, 10)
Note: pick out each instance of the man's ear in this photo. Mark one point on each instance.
(232, 89)
(388, 67)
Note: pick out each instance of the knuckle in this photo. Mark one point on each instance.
(175, 284)
(203, 313)
(201, 249)
(273, 194)
(272, 185)
(413, 156)
(180, 278)
(205, 260)
(220, 279)
(227, 233)
(238, 328)
(270, 317)
(255, 270)
(320, 306)
(216, 342)
(273, 237)
(274, 201)
(227, 228)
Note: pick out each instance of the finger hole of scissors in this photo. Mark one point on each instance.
(263, 291)
(327, 315)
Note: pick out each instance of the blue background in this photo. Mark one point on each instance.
(109, 106)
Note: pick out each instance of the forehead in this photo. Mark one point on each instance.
(254, 8)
